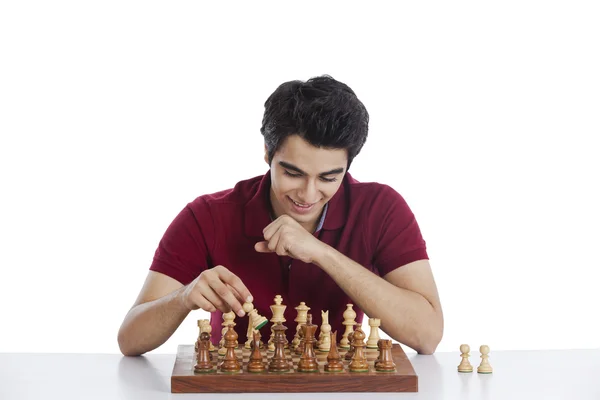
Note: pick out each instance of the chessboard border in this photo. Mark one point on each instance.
(185, 380)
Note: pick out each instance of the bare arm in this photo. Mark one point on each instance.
(163, 304)
(155, 315)
(406, 300)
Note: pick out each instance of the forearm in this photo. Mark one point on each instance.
(406, 316)
(148, 325)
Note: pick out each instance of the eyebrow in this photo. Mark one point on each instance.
(294, 168)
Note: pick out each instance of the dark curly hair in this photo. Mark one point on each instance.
(323, 111)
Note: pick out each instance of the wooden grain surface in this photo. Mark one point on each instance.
(185, 380)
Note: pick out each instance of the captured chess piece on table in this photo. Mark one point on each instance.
(484, 367)
(465, 365)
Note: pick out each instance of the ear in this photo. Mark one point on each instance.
(266, 155)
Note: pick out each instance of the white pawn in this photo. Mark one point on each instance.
(465, 365)
(227, 320)
(206, 327)
(325, 333)
(484, 367)
(374, 324)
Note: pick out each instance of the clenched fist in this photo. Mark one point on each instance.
(286, 237)
(216, 289)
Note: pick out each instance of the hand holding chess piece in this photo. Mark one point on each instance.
(465, 365)
(215, 280)
(484, 367)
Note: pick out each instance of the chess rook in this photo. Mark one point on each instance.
(385, 361)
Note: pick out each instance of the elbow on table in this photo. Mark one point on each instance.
(429, 342)
(125, 347)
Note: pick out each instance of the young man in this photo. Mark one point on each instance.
(306, 230)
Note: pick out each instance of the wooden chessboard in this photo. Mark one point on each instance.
(185, 380)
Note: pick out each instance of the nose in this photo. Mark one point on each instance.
(309, 193)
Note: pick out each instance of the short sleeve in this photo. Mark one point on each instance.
(398, 238)
(183, 251)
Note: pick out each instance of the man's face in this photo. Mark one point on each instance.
(304, 178)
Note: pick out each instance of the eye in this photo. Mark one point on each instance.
(288, 173)
(328, 179)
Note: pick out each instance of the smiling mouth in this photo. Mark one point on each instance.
(301, 205)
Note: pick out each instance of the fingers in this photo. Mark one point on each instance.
(274, 226)
(262, 247)
(217, 289)
(236, 283)
(226, 296)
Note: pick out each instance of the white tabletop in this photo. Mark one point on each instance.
(557, 374)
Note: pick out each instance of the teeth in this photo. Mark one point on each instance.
(300, 205)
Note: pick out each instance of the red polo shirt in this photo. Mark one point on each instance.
(368, 222)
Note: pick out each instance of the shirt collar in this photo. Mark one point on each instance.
(257, 210)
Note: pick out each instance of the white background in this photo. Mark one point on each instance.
(115, 114)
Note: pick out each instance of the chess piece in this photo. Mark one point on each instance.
(385, 361)
(230, 363)
(200, 330)
(203, 360)
(484, 367)
(324, 334)
(334, 362)
(256, 363)
(349, 322)
(227, 320)
(465, 365)
(277, 309)
(350, 352)
(359, 359)
(255, 321)
(300, 319)
(204, 325)
(300, 348)
(374, 324)
(278, 362)
(308, 360)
